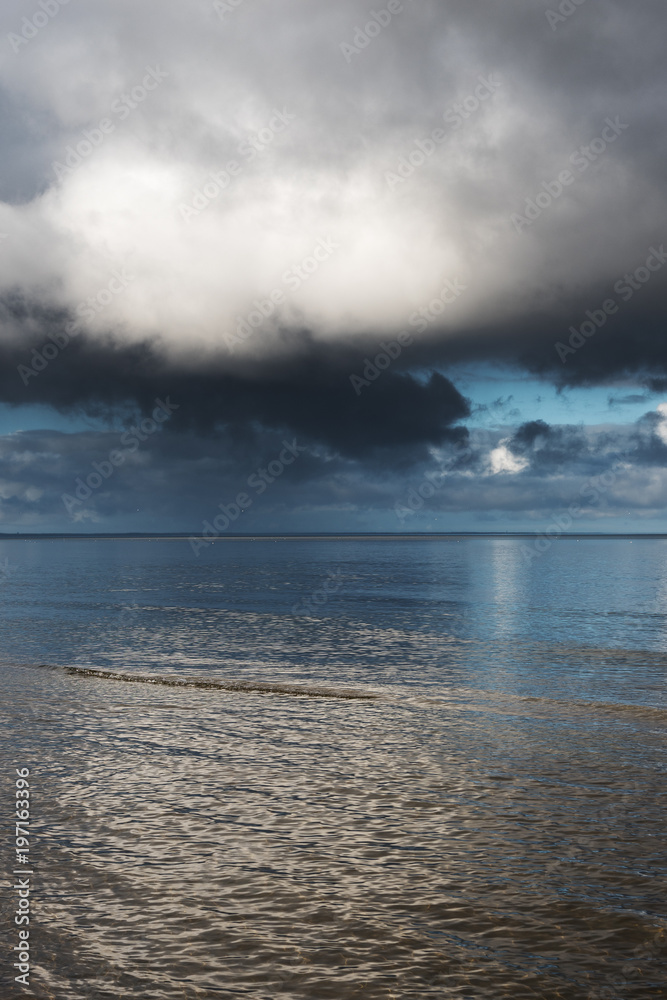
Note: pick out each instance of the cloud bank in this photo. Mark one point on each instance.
(240, 203)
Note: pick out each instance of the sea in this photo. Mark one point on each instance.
(334, 767)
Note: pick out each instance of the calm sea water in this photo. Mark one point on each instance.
(343, 768)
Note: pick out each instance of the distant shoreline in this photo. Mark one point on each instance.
(319, 536)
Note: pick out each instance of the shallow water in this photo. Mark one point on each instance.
(478, 816)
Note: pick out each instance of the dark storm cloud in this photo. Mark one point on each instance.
(628, 343)
(529, 432)
(605, 471)
(178, 481)
(313, 398)
(549, 448)
(648, 440)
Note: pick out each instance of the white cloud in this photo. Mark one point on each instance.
(661, 428)
(323, 175)
(501, 459)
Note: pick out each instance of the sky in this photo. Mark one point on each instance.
(391, 266)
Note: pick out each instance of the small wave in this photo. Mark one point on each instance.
(263, 687)
(511, 699)
(604, 707)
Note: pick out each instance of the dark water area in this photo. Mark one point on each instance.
(338, 768)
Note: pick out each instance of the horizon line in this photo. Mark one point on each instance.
(175, 536)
